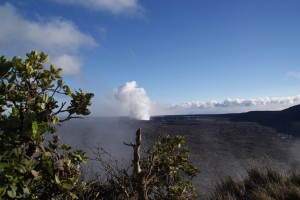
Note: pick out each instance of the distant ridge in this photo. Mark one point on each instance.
(292, 113)
(286, 121)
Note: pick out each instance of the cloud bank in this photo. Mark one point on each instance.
(59, 38)
(113, 6)
(234, 105)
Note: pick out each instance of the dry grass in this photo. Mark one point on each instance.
(261, 183)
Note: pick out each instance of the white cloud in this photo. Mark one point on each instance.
(112, 6)
(55, 37)
(71, 64)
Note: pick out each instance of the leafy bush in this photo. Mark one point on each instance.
(163, 172)
(169, 164)
(30, 166)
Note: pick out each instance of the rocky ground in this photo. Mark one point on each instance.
(219, 147)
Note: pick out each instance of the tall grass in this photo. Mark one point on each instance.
(267, 182)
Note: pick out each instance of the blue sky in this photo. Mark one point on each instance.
(181, 54)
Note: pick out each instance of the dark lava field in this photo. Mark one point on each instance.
(220, 145)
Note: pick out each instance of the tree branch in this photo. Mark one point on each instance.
(60, 109)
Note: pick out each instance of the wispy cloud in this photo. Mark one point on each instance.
(58, 37)
(116, 7)
(131, 52)
(294, 74)
(102, 31)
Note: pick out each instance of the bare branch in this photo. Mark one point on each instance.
(70, 117)
(60, 109)
(127, 144)
(55, 91)
(111, 169)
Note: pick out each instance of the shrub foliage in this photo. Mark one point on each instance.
(30, 166)
(164, 171)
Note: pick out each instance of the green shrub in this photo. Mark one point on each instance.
(163, 172)
(30, 166)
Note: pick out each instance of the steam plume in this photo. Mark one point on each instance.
(135, 100)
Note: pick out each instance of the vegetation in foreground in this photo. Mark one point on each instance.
(266, 182)
(163, 172)
(32, 167)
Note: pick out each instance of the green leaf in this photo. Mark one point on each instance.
(34, 127)
(67, 184)
(66, 147)
(52, 69)
(59, 82)
(3, 166)
(41, 105)
(55, 120)
(20, 169)
(45, 98)
(10, 86)
(15, 112)
(29, 69)
(47, 154)
(74, 196)
(44, 57)
(3, 190)
(12, 193)
(58, 75)
(17, 151)
(68, 91)
(57, 179)
(5, 65)
(26, 190)
(34, 173)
